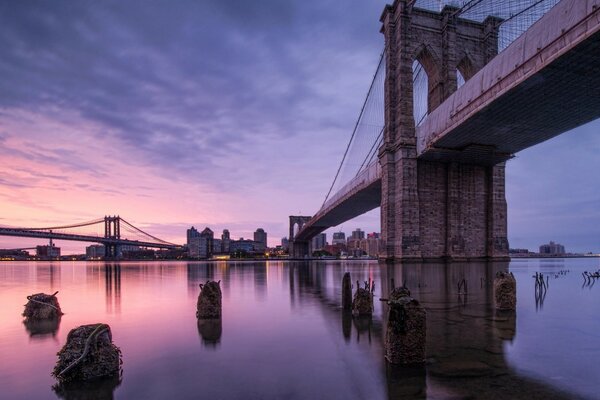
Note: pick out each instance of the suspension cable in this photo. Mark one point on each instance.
(381, 58)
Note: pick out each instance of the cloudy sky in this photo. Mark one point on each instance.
(222, 113)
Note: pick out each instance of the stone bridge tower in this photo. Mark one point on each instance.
(298, 249)
(432, 209)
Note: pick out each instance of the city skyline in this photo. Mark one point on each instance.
(139, 112)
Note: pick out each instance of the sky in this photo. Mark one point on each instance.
(229, 114)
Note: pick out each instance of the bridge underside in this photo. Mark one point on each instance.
(360, 195)
(486, 122)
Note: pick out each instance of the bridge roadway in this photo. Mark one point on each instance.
(545, 83)
(361, 194)
(82, 238)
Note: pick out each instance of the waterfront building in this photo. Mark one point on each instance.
(260, 237)
(552, 249)
(243, 245)
(339, 238)
(353, 244)
(319, 242)
(217, 246)
(285, 243)
(201, 246)
(192, 233)
(47, 251)
(226, 240)
(95, 252)
(336, 249)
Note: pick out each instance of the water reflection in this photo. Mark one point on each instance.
(210, 331)
(406, 382)
(40, 329)
(112, 288)
(99, 389)
(281, 311)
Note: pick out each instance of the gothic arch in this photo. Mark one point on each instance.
(465, 67)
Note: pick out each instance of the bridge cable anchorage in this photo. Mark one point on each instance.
(372, 88)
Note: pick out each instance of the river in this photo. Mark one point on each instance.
(283, 334)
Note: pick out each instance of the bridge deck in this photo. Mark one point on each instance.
(545, 83)
(361, 194)
(81, 238)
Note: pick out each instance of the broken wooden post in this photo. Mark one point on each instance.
(209, 300)
(88, 354)
(505, 291)
(346, 292)
(362, 304)
(42, 306)
(406, 329)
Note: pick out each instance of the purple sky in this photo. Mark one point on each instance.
(231, 114)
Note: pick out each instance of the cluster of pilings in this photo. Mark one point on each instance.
(407, 323)
(589, 278)
(88, 354)
(89, 361)
(541, 288)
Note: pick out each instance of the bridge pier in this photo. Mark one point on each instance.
(436, 209)
(299, 249)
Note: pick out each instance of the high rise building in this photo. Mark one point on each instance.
(319, 242)
(192, 233)
(201, 246)
(339, 238)
(226, 241)
(285, 243)
(260, 237)
(358, 234)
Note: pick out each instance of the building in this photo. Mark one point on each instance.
(201, 246)
(260, 237)
(226, 240)
(47, 251)
(285, 244)
(95, 252)
(217, 246)
(374, 244)
(192, 233)
(339, 238)
(319, 242)
(336, 249)
(358, 234)
(243, 246)
(552, 249)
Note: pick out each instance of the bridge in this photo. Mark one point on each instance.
(458, 91)
(111, 231)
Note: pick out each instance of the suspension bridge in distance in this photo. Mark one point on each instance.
(496, 77)
(110, 231)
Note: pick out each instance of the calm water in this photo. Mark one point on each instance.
(283, 334)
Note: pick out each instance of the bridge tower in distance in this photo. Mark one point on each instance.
(434, 209)
(112, 230)
(298, 248)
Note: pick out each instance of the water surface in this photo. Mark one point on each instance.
(283, 334)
